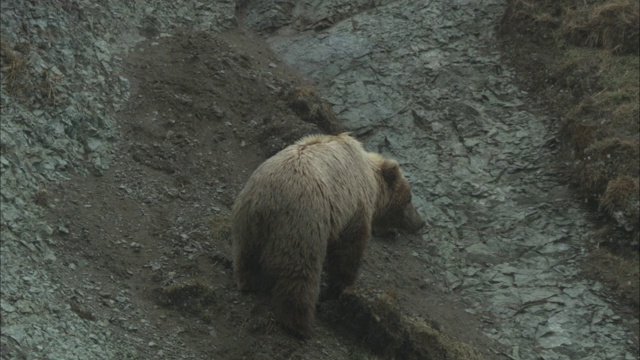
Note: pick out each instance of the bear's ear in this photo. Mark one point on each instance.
(390, 171)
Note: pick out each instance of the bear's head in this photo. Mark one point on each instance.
(395, 210)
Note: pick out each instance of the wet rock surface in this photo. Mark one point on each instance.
(158, 122)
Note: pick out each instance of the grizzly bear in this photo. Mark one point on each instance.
(315, 200)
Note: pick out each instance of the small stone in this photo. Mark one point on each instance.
(135, 246)
(5, 306)
(24, 306)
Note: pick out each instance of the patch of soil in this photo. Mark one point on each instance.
(151, 234)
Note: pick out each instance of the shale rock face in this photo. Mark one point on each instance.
(423, 83)
(128, 128)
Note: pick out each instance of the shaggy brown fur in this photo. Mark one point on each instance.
(316, 198)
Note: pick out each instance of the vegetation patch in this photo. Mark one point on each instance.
(619, 271)
(593, 58)
(194, 297)
(220, 226)
(25, 81)
(374, 317)
(581, 58)
(610, 24)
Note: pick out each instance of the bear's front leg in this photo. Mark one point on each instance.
(344, 257)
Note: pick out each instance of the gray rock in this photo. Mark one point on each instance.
(422, 83)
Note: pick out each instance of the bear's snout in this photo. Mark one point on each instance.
(412, 221)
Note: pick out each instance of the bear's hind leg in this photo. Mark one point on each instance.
(247, 270)
(295, 305)
(297, 286)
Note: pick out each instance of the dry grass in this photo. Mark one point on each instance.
(193, 297)
(609, 24)
(603, 129)
(220, 227)
(615, 84)
(374, 316)
(622, 193)
(49, 84)
(23, 81)
(612, 24)
(621, 273)
(606, 160)
(14, 70)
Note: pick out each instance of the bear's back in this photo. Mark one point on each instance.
(323, 159)
(319, 173)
